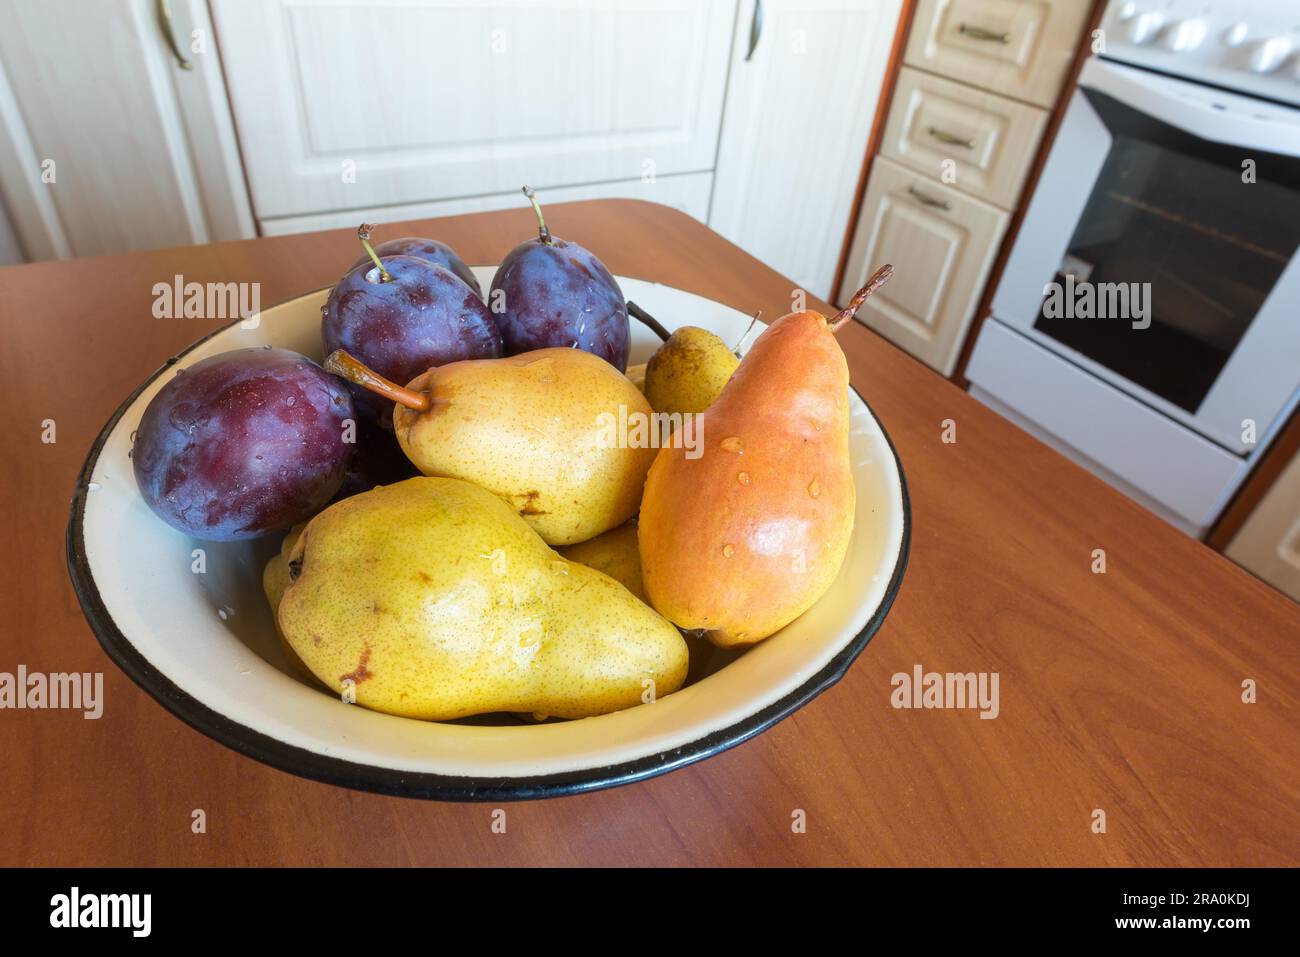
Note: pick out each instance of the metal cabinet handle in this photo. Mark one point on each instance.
(169, 34)
(755, 29)
(951, 139)
(979, 33)
(929, 200)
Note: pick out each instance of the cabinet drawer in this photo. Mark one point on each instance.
(989, 140)
(1020, 48)
(941, 244)
(1269, 543)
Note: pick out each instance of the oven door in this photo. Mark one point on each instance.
(1179, 206)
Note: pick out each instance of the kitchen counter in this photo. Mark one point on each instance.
(1119, 692)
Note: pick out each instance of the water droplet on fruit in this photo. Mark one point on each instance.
(732, 443)
(728, 551)
(225, 612)
(291, 400)
(561, 567)
(743, 478)
(258, 457)
(814, 489)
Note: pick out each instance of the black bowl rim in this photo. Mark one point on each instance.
(391, 781)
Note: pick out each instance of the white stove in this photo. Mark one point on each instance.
(1148, 319)
(1249, 47)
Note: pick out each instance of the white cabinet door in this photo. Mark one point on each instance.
(1269, 543)
(348, 104)
(799, 112)
(106, 143)
(1021, 48)
(941, 244)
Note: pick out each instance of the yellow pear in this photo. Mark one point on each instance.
(431, 598)
(275, 579)
(545, 430)
(615, 554)
(688, 371)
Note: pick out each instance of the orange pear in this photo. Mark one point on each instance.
(743, 535)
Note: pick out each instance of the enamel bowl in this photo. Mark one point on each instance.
(203, 642)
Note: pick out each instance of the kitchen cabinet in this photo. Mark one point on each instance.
(688, 192)
(110, 145)
(1019, 48)
(943, 243)
(978, 142)
(1268, 544)
(350, 106)
(800, 106)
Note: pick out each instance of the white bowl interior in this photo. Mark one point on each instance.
(211, 632)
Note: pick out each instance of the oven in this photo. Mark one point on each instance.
(1147, 321)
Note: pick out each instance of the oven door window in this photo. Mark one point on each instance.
(1174, 235)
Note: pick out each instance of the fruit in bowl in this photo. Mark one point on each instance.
(551, 293)
(538, 429)
(206, 645)
(430, 250)
(433, 599)
(401, 315)
(243, 444)
(740, 541)
(441, 596)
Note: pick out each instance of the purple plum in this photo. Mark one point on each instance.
(243, 444)
(440, 254)
(378, 460)
(401, 316)
(548, 292)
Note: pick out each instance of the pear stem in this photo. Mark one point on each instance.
(648, 320)
(735, 350)
(543, 233)
(349, 367)
(878, 279)
(363, 233)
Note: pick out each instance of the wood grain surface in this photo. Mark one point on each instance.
(1119, 691)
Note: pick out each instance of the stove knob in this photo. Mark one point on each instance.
(1235, 35)
(1270, 54)
(1183, 35)
(1145, 26)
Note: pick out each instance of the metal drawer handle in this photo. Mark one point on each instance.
(929, 200)
(165, 22)
(951, 139)
(979, 33)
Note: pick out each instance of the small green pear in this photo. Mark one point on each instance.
(688, 371)
(431, 598)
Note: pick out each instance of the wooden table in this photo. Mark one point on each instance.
(1119, 691)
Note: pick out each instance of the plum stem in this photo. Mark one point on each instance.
(648, 320)
(341, 363)
(363, 233)
(878, 279)
(543, 233)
